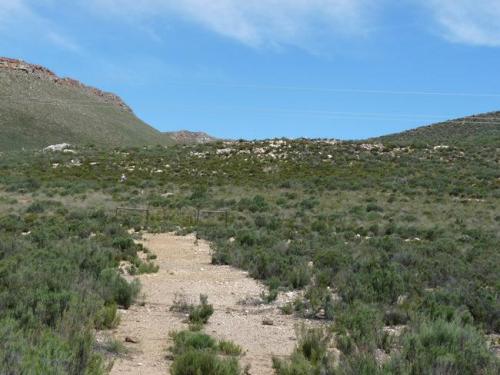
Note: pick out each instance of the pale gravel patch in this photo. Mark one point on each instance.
(185, 267)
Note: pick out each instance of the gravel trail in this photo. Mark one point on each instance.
(185, 269)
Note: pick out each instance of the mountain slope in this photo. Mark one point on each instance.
(482, 128)
(37, 109)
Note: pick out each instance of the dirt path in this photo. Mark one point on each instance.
(185, 268)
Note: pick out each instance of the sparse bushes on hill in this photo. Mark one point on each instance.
(396, 236)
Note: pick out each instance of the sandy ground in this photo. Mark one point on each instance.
(185, 268)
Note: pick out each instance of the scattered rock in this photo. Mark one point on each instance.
(131, 340)
(320, 314)
(267, 322)
(402, 299)
(381, 357)
(58, 147)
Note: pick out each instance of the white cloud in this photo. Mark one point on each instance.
(255, 22)
(474, 22)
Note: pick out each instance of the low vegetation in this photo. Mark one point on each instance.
(198, 353)
(478, 128)
(58, 281)
(393, 246)
(311, 356)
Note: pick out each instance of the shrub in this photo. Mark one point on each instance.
(181, 304)
(187, 340)
(230, 348)
(360, 364)
(359, 325)
(443, 347)
(117, 289)
(299, 277)
(374, 281)
(256, 204)
(46, 353)
(195, 362)
(139, 267)
(107, 317)
(115, 347)
(201, 313)
(298, 365)
(196, 353)
(287, 308)
(270, 296)
(311, 355)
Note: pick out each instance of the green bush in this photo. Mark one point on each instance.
(311, 355)
(117, 289)
(194, 362)
(443, 347)
(196, 353)
(201, 313)
(230, 348)
(107, 317)
(44, 352)
(187, 340)
(270, 296)
(374, 281)
(361, 364)
(358, 326)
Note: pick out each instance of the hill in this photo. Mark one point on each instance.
(188, 137)
(38, 108)
(482, 128)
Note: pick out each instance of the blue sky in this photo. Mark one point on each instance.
(271, 68)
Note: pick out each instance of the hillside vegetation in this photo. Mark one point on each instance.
(38, 109)
(483, 128)
(394, 248)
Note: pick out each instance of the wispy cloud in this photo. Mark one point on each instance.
(18, 19)
(474, 22)
(256, 22)
(62, 41)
